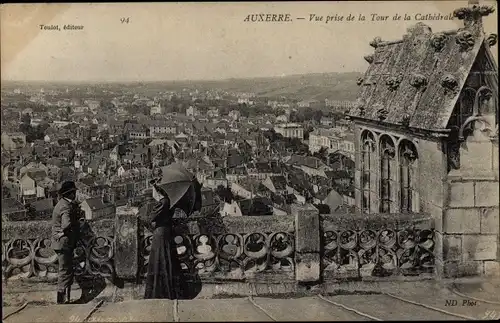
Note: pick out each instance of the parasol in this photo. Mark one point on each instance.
(181, 187)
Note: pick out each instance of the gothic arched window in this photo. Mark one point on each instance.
(463, 109)
(368, 168)
(387, 178)
(408, 158)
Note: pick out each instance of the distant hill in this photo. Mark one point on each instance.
(333, 86)
(318, 86)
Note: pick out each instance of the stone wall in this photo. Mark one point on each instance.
(471, 218)
(471, 226)
(433, 188)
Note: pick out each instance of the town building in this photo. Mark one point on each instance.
(192, 111)
(13, 141)
(35, 183)
(13, 210)
(95, 208)
(308, 104)
(323, 138)
(290, 130)
(162, 128)
(136, 131)
(339, 106)
(156, 109)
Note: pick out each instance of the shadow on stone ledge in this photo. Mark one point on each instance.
(91, 287)
(190, 287)
(93, 284)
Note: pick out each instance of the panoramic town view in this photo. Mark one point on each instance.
(367, 194)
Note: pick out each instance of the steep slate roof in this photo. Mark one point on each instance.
(207, 197)
(156, 142)
(408, 78)
(11, 205)
(257, 206)
(37, 174)
(88, 181)
(95, 203)
(43, 205)
(311, 162)
(279, 182)
(235, 160)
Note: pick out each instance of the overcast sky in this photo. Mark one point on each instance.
(170, 41)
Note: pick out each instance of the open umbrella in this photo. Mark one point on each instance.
(181, 187)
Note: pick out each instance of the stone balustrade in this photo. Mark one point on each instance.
(27, 252)
(301, 247)
(357, 246)
(246, 248)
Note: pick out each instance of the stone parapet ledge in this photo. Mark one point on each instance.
(459, 175)
(43, 229)
(396, 221)
(246, 224)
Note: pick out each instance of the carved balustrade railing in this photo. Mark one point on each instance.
(27, 251)
(258, 248)
(376, 245)
(231, 248)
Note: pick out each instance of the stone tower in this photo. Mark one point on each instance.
(426, 126)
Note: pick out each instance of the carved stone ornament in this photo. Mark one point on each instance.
(485, 10)
(409, 153)
(359, 104)
(347, 114)
(418, 80)
(486, 94)
(231, 254)
(377, 252)
(449, 82)
(438, 41)
(390, 151)
(376, 42)
(359, 81)
(406, 120)
(453, 156)
(369, 58)
(474, 12)
(492, 39)
(465, 39)
(382, 113)
(461, 13)
(394, 81)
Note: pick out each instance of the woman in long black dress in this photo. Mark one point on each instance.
(178, 189)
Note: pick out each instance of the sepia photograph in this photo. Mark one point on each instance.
(250, 161)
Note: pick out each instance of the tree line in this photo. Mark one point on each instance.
(32, 132)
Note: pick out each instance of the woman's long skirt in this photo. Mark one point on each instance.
(164, 269)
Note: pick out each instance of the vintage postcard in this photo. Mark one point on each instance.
(250, 161)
